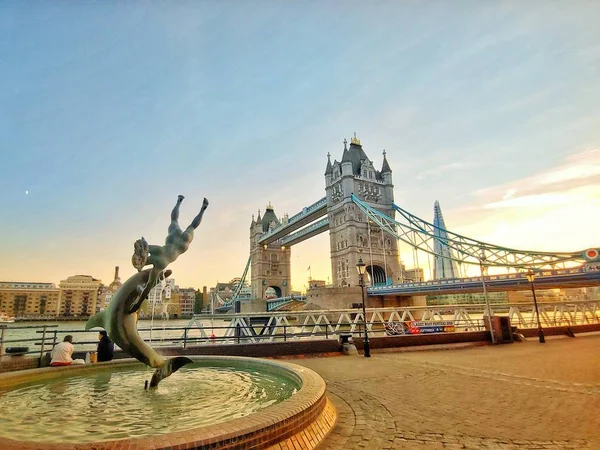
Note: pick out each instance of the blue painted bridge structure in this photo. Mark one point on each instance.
(545, 279)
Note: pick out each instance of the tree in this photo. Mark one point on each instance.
(198, 302)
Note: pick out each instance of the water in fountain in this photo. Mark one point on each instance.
(111, 403)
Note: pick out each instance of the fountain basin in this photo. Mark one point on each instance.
(294, 397)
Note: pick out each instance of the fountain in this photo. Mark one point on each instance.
(213, 402)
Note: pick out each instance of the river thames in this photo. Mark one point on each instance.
(157, 332)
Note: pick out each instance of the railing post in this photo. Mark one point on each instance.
(42, 348)
(285, 333)
(185, 332)
(2, 328)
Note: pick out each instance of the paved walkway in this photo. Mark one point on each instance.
(519, 396)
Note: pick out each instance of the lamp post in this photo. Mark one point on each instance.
(487, 299)
(361, 267)
(530, 277)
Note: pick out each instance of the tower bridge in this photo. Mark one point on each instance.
(359, 212)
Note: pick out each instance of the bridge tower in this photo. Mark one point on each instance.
(269, 264)
(351, 236)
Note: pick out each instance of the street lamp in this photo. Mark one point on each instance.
(361, 267)
(487, 299)
(530, 274)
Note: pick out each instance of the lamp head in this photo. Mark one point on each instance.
(530, 274)
(361, 267)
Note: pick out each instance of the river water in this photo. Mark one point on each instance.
(157, 333)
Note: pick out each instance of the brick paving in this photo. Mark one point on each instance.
(519, 396)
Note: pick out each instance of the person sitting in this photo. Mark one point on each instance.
(62, 353)
(106, 347)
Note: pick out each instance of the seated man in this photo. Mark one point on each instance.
(106, 347)
(62, 353)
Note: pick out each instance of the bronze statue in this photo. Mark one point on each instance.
(119, 318)
(176, 243)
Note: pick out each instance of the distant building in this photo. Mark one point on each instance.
(104, 297)
(525, 296)
(187, 296)
(412, 275)
(443, 267)
(116, 283)
(315, 284)
(161, 294)
(466, 299)
(79, 295)
(106, 293)
(22, 299)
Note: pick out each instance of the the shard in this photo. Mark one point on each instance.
(443, 267)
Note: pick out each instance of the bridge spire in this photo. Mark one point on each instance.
(329, 168)
(385, 168)
(345, 142)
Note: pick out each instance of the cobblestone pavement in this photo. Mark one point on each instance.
(519, 396)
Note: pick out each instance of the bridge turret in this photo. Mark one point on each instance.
(386, 171)
(328, 171)
(346, 164)
(269, 263)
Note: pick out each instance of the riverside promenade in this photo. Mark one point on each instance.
(516, 396)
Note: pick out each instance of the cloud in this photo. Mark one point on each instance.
(555, 210)
(443, 168)
(549, 187)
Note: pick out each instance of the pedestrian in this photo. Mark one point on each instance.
(62, 354)
(106, 347)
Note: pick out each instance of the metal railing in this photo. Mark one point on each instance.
(304, 325)
(48, 340)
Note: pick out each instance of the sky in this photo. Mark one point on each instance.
(109, 110)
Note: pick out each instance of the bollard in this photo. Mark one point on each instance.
(43, 342)
(2, 328)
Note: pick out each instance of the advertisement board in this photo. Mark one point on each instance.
(419, 327)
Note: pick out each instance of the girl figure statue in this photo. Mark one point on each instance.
(176, 243)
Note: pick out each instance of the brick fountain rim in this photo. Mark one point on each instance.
(309, 408)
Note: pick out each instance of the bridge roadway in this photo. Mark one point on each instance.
(304, 217)
(546, 279)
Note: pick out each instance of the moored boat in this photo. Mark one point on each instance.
(5, 318)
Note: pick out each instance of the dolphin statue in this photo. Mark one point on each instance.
(119, 319)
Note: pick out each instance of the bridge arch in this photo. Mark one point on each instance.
(273, 292)
(376, 274)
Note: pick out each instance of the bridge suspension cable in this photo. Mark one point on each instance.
(420, 234)
(230, 302)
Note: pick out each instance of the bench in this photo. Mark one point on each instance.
(16, 351)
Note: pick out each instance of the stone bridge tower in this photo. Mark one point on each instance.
(351, 236)
(270, 264)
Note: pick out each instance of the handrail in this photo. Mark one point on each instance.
(268, 326)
